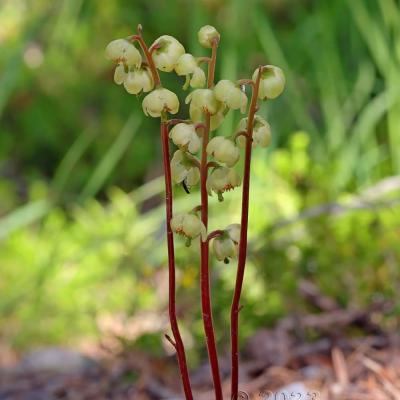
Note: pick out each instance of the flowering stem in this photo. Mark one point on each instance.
(204, 272)
(147, 54)
(212, 63)
(204, 246)
(178, 343)
(235, 308)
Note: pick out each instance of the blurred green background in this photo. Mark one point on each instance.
(82, 254)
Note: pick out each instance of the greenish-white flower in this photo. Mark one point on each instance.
(185, 137)
(159, 101)
(188, 66)
(206, 35)
(261, 132)
(231, 95)
(167, 52)
(221, 180)
(204, 100)
(184, 168)
(226, 245)
(272, 82)
(223, 150)
(185, 65)
(138, 80)
(198, 79)
(119, 74)
(122, 51)
(188, 225)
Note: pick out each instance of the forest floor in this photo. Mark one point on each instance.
(349, 358)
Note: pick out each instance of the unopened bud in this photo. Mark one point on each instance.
(207, 34)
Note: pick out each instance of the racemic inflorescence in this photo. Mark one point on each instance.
(202, 158)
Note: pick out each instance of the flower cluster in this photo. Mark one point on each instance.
(206, 102)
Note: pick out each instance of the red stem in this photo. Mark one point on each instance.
(149, 58)
(178, 344)
(180, 350)
(204, 273)
(242, 244)
(204, 246)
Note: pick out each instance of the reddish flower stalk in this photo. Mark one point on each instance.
(204, 247)
(177, 342)
(147, 54)
(235, 308)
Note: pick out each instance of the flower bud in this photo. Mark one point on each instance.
(185, 65)
(184, 168)
(119, 74)
(223, 150)
(198, 78)
(138, 80)
(226, 245)
(221, 180)
(272, 82)
(160, 100)
(185, 137)
(206, 35)
(167, 52)
(228, 93)
(121, 51)
(188, 225)
(261, 132)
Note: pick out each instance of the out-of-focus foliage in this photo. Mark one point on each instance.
(81, 225)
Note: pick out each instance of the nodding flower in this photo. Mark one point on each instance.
(261, 132)
(189, 226)
(188, 66)
(184, 168)
(185, 137)
(138, 80)
(160, 101)
(203, 100)
(272, 82)
(122, 51)
(222, 179)
(223, 150)
(167, 51)
(226, 245)
(231, 95)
